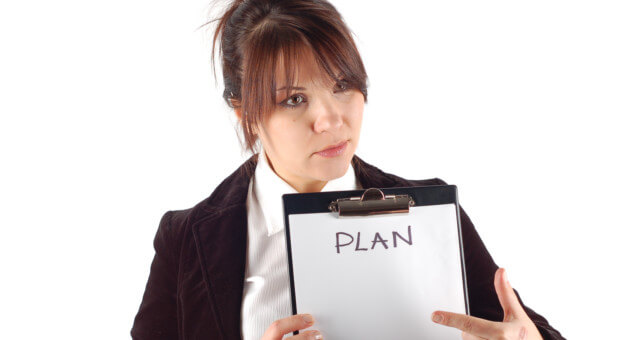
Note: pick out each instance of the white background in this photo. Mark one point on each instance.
(110, 117)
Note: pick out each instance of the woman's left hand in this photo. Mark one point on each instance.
(516, 323)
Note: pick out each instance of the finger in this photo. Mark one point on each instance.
(468, 336)
(468, 324)
(307, 335)
(281, 327)
(508, 300)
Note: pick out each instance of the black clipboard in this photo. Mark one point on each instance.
(371, 207)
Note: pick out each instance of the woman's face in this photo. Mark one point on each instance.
(312, 135)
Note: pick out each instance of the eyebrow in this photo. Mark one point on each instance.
(291, 88)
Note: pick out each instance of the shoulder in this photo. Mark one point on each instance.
(372, 176)
(231, 192)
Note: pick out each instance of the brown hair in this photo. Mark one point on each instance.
(256, 34)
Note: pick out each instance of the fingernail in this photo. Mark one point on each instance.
(506, 280)
(308, 318)
(317, 336)
(437, 317)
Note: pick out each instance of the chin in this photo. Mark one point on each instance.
(334, 168)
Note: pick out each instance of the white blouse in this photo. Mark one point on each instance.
(266, 294)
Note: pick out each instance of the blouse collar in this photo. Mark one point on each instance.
(269, 188)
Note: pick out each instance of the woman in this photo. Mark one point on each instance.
(297, 84)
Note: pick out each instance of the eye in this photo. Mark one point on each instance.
(341, 86)
(293, 101)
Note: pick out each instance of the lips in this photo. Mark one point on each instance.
(334, 146)
(333, 150)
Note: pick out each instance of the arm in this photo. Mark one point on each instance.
(480, 273)
(157, 314)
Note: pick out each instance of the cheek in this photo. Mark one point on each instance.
(354, 111)
(286, 135)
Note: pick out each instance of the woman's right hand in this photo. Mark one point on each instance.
(281, 327)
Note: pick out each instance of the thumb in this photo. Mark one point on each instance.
(508, 300)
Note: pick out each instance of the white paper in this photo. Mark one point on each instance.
(378, 293)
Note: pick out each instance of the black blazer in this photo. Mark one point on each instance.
(196, 278)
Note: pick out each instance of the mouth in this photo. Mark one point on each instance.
(333, 150)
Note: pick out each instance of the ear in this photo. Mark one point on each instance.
(237, 113)
(236, 104)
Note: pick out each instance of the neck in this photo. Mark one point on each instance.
(315, 186)
(298, 184)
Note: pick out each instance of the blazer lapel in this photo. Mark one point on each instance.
(221, 245)
(220, 232)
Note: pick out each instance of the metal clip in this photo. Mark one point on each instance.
(372, 202)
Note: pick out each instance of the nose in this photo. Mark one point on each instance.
(328, 115)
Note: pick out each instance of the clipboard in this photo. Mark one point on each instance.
(375, 263)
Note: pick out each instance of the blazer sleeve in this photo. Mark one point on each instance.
(157, 314)
(480, 271)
